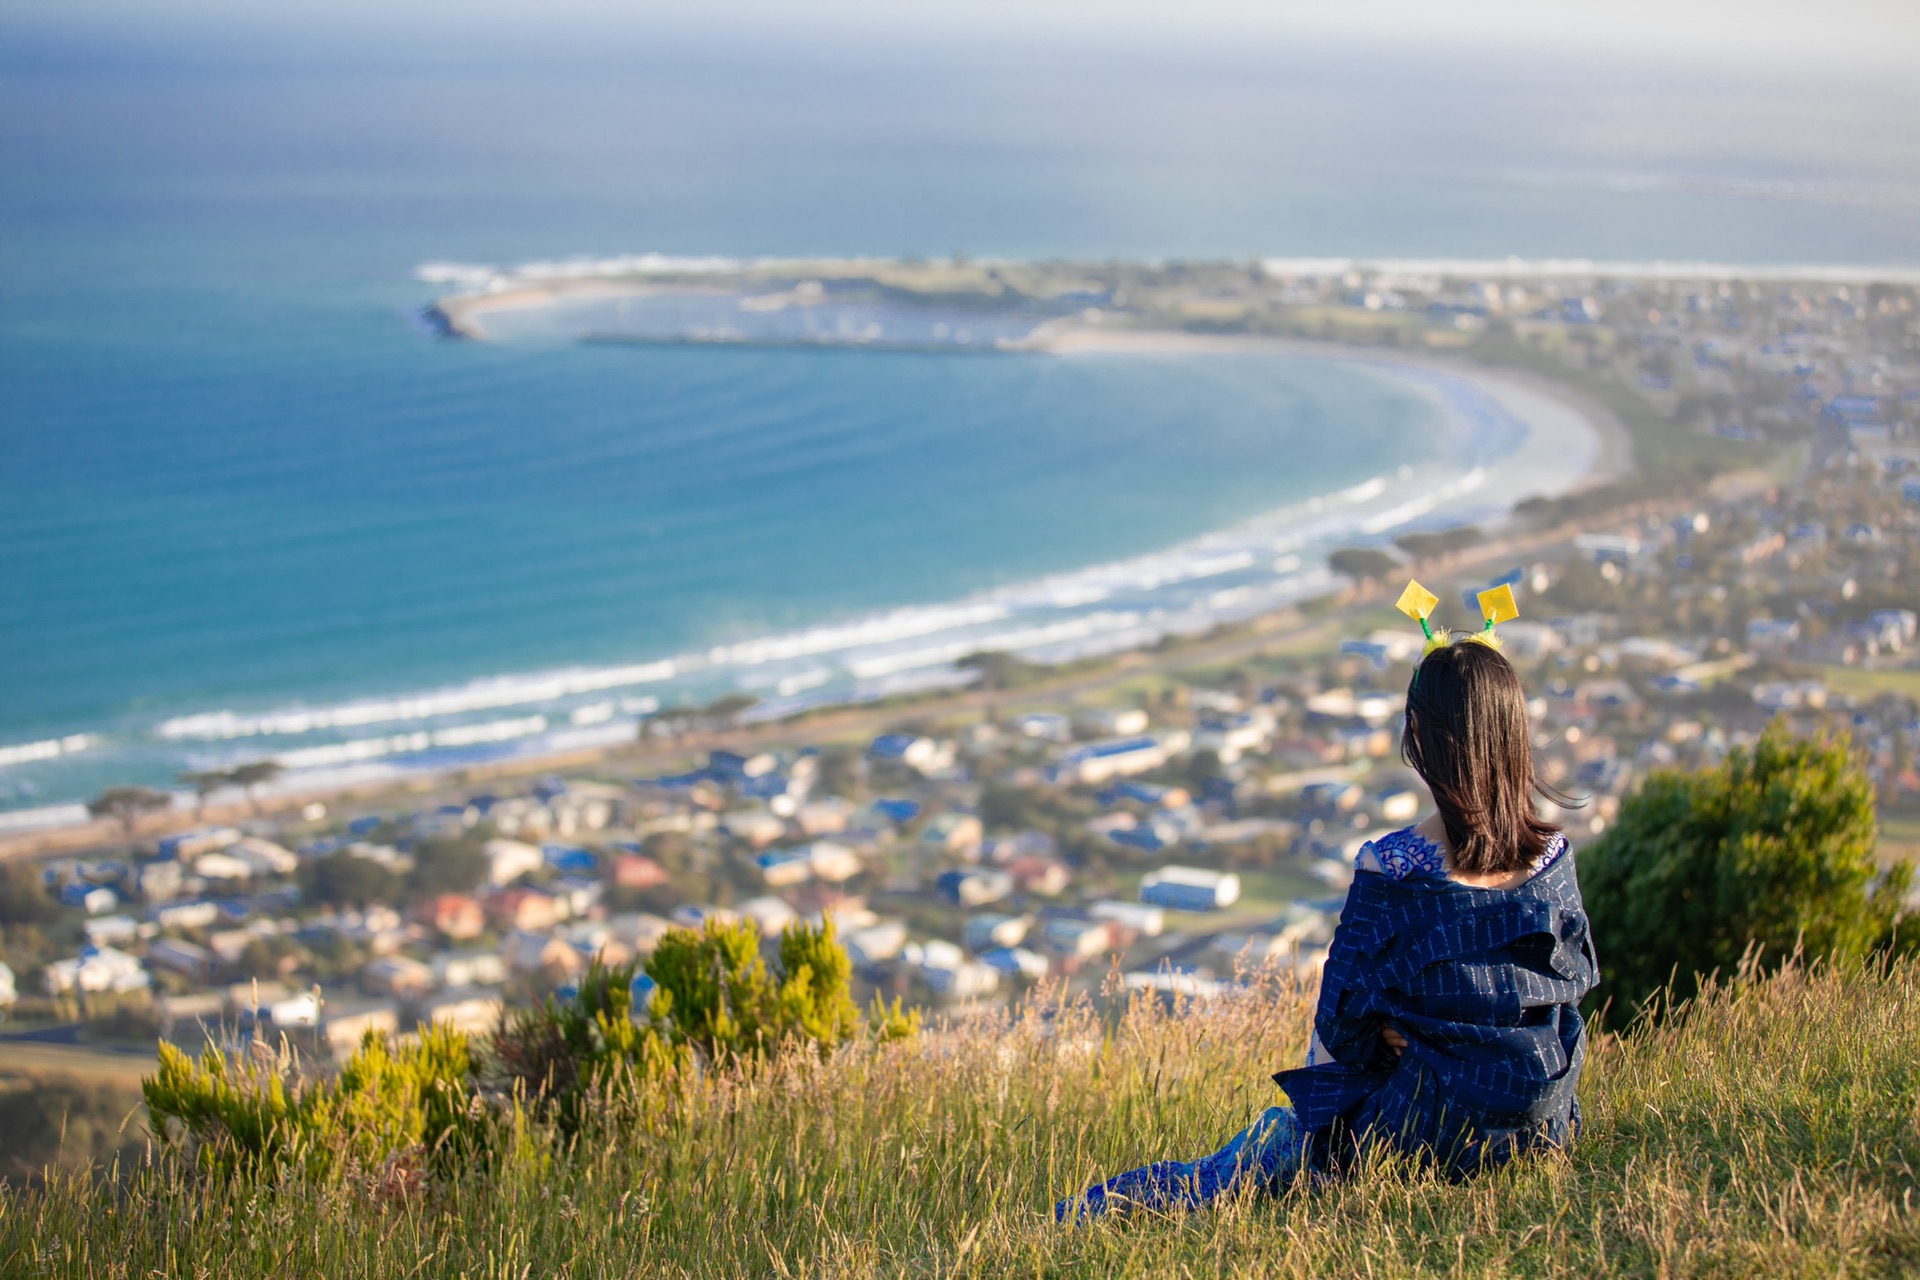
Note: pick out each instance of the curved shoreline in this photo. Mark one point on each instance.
(1221, 576)
(1514, 389)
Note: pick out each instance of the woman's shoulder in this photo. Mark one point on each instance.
(1401, 855)
(1407, 853)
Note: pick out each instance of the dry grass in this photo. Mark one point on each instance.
(1772, 1128)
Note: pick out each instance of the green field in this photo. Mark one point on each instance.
(1773, 1130)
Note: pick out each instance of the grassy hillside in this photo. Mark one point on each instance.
(1773, 1128)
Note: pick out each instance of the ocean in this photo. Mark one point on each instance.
(251, 505)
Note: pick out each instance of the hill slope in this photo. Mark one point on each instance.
(1773, 1128)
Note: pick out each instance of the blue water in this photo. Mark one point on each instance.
(236, 473)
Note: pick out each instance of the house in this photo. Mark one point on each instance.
(525, 908)
(220, 866)
(1078, 936)
(577, 895)
(833, 862)
(160, 881)
(638, 930)
(1772, 635)
(301, 1010)
(187, 845)
(1230, 737)
(1016, 962)
(824, 817)
(570, 859)
(876, 944)
(1397, 805)
(783, 867)
(396, 976)
(344, 1024)
(1190, 889)
(94, 899)
(95, 969)
(758, 827)
(1099, 762)
(974, 887)
(508, 860)
(638, 871)
(454, 916)
(263, 857)
(1047, 726)
(110, 930)
(475, 967)
(529, 952)
(896, 812)
(964, 981)
(920, 754)
(986, 931)
(769, 913)
(1148, 922)
(1119, 722)
(1294, 932)
(1044, 876)
(472, 1011)
(174, 956)
(958, 833)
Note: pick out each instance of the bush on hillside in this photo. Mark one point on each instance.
(254, 1112)
(565, 1055)
(716, 995)
(1773, 848)
(442, 1100)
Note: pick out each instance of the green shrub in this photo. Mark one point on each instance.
(715, 993)
(566, 1056)
(587, 1059)
(250, 1113)
(1772, 848)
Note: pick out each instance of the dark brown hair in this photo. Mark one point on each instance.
(1467, 737)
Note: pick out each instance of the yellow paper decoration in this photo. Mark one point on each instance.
(1417, 602)
(1497, 604)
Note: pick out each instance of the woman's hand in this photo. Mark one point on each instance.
(1395, 1041)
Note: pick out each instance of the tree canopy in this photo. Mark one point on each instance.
(1773, 847)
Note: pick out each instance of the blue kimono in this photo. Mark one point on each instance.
(1485, 984)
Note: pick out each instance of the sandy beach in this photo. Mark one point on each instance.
(1562, 422)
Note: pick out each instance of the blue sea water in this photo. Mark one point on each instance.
(236, 474)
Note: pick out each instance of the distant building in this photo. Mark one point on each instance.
(396, 976)
(1190, 889)
(184, 958)
(95, 969)
(525, 908)
(975, 887)
(454, 916)
(1099, 762)
(958, 833)
(344, 1024)
(508, 860)
(638, 871)
(474, 1012)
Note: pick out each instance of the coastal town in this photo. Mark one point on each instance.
(1154, 821)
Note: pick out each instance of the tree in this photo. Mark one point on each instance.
(23, 896)
(447, 864)
(1362, 563)
(1774, 847)
(127, 805)
(348, 880)
(256, 774)
(204, 783)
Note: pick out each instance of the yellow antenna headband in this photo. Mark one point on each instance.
(1497, 605)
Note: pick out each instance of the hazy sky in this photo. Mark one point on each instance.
(1865, 34)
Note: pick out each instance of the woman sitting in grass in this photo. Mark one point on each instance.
(1448, 1027)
